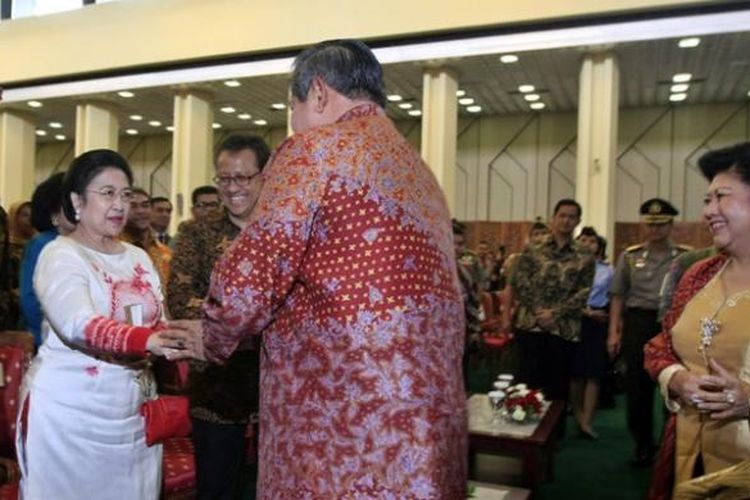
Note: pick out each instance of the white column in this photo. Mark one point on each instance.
(439, 127)
(192, 150)
(97, 127)
(17, 157)
(597, 142)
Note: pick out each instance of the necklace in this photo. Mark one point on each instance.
(710, 326)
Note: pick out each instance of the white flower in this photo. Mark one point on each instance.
(518, 414)
(540, 397)
(521, 387)
(523, 392)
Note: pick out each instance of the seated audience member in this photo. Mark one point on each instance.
(590, 357)
(138, 232)
(699, 358)
(49, 220)
(161, 214)
(223, 397)
(80, 433)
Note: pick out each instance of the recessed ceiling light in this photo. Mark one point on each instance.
(35, 104)
(537, 105)
(260, 122)
(406, 105)
(679, 87)
(395, 98)
(131, 131)
(244, 116)
(526, 88)
(215, 125)
(170, 128)
(126, 94)
(466, 101)
(474, 109)
(508, 58)
(232, 83)
(228, 109)
(155, 123)
(55, 125)
(278, 106)
(689, 43)
(41, 133)
(415, 112)
(460, 93)
(531, 97)
(60, 137)
(682, 77)
(136, 118)
(678, 97)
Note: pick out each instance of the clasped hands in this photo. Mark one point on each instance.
(182, 339)
(721, 395)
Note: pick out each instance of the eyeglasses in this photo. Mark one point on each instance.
(207, 204)
(240, 180)
(110, 194)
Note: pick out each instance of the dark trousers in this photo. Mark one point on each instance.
(639, 326)
(544, 361)
(219, 456)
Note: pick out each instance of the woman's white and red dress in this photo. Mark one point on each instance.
(80, 433)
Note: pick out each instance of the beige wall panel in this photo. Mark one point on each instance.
(101, 37)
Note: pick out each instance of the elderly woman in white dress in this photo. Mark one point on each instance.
(80, 432)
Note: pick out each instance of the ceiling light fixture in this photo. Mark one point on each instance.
(55, 125)
(460, 93)
(682, 77)
(474, 109)
(126, 94)
(35, 104)
(508, 58)
(679, 87)
(131, 131)
(244, 116)
(215, 125)
(228, 109)
(60, 137)
(394, 98)
(278, 106)
(537, 105)
(678, 97)
(41, 133)
(232, 83)
(170, 128)
(415, 112)
(406, 105)
(526, 88)
(466, 101)
(136, 118)
(531, 97)
(260, 122)
(689, 43)
(155, 123)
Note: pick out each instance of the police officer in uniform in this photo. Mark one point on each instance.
(633, 320)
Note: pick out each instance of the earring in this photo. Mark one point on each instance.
(78, 215)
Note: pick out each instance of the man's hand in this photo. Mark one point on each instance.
(192, 332)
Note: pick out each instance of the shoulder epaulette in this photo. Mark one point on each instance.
(685, 248)
(635, 248)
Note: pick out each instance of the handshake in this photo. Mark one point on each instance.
(181, 339)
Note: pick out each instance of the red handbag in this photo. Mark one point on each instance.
(166, 417)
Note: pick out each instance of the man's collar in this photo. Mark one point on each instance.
(361, 110)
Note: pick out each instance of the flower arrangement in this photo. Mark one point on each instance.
(523, 404)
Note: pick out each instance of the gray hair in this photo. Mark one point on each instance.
(347, 66)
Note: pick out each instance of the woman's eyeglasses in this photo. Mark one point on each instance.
(240, 180)
(111, 194)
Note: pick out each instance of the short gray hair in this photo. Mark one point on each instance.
(347, 66)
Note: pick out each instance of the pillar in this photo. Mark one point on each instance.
(17, 157)
(439, 127)
(192, 150)
(97, 127)
(597, 142)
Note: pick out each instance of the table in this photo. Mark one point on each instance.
(534, 443)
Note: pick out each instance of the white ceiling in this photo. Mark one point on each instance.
(720, 66)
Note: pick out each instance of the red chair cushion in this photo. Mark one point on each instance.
(178, 462)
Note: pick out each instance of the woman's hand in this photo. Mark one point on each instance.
(685, 386)
(175, 343)
(724, 396)
(193, 329)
